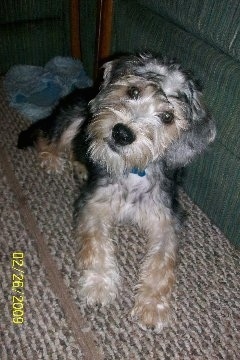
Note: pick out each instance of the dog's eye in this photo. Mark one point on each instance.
(166, 117)
(133, 92)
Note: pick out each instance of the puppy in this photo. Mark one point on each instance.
(127, 143)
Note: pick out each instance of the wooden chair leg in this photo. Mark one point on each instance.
(104, 32)
(75, 28)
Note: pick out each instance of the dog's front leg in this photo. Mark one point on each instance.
(100, 277)
(157, 277)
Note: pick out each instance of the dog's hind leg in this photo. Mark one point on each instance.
(50, 148)
(52, 137)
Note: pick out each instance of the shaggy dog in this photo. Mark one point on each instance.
(127, 143)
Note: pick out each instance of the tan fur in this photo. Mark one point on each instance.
(100, 276)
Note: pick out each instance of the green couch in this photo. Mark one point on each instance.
(204, 36)
(33, 31)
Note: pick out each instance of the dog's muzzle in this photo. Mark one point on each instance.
(122, 135)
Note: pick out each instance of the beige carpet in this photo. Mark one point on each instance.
(36, 215)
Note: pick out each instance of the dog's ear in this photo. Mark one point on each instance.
(200, 133)
(115, 69)
(192, 96)
(108, 71)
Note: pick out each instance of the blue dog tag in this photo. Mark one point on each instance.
(138, 172)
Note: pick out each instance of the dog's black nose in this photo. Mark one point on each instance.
(122, 135)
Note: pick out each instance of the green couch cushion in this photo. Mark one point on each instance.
(213, 182)
(21, 43)
(22, 10)
(32, 31)
(217, 22)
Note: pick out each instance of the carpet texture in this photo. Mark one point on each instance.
(36, 218)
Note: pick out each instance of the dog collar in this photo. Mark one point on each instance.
(138, 172)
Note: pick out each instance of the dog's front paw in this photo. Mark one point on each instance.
(98, 288)
(151, 314)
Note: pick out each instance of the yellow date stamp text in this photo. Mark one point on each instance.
(18, 287)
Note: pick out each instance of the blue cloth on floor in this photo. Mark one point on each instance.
(35, 90)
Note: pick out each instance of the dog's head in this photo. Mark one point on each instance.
(147, 110)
